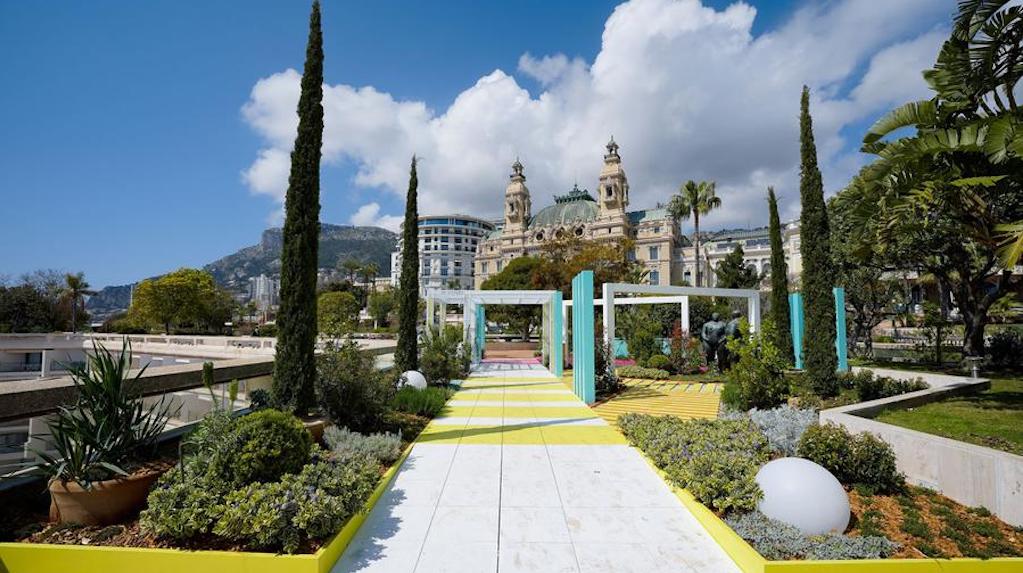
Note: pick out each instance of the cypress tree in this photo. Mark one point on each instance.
(820, 360)
(779, 280)
(406, 355)
(295, 363)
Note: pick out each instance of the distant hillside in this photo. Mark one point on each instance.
(337, 243)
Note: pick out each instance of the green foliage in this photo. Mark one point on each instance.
(350, 389)
(686, 355)
(445, 357)
(1006, 348)
(820, 360)
(312, 505)
(427, 402)
(406, 355)
(259, 399)
(381, 303)
(777, 541)
(563, 259)
(716, 460)
(757, 377)
(854, 459)
(641, 372)
(337, 313)
(733, 272)
(384, 448)
(659, 362)
(183, 504)
(295, 362)
(408, 426)
(183, 297)
(779, 309)
(265, 446)
(606, 380)
(108, 427)
(871, 387)
(694, 200)
(517, 274)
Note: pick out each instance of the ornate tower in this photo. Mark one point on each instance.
(614, 186)
(517, 206)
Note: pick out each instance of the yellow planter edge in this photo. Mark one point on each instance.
(750, 561)
(47, 558)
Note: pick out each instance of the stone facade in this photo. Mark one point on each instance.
(580, 214)
(668, 256)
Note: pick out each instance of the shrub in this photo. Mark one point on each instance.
(757, 376)
(312, 505)
(385, 448)
(783, 426)
(606, 380)
(427, 402)
(716, 460)
(641, 372)
(779, 541)
(659, 362)
(686, 355)
(185, 502)
(352, 392)
(408, 426)
(871, 387)
(259, 399)
(1006, 348)
(853, 459)
(263, 447)
(444, 356)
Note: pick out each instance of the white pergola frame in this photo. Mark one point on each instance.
(671, 295)
(438, 299)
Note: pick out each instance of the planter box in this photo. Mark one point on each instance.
(44, 558)
(749, 561)
(970, 474)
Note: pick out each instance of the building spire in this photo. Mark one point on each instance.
(612, 149)
(517, 173)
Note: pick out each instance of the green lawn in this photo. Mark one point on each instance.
(993, 418)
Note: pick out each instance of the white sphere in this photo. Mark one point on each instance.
(803, 494)
(414, 379)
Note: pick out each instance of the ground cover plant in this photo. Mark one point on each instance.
(384, 448)
(641, 372)
(716, 460)
(427, 402)
(779, 541)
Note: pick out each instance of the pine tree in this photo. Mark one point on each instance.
(820, 360)
(780, 315)
(406, 355)
(295, 363)
(733, 272)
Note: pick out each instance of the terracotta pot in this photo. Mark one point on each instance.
(107, 502)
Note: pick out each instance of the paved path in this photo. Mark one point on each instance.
(519, 475)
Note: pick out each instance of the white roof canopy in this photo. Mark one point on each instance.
(447, 296)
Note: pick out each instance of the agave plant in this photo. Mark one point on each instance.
(108, 428)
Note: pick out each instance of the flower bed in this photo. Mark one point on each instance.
(893, 525)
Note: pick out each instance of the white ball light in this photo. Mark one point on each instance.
(803, 494)
(414, 379)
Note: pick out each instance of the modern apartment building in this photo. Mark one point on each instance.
(447, 251)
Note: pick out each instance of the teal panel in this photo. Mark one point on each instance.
(621, 348)
(557, 342)
(481, 331)
(841, 345)
(583, 375)
(796, 313)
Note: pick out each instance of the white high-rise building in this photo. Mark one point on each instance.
(264, 291)
(447, 251)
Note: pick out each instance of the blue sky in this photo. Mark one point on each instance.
(124, 141)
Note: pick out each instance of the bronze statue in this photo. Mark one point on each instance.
(725, 358)
(712, 335)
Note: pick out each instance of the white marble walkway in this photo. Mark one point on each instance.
(537, 507)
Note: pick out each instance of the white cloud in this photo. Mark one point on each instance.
(369, 215)
(687, 91)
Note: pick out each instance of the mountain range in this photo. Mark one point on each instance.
(337, 243)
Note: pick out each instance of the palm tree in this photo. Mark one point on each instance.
(692, 200)
(351, 268)
(75, 287)
(369, 272)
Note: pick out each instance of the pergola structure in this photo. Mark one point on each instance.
(474, 331)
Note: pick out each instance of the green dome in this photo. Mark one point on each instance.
(576, 207)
